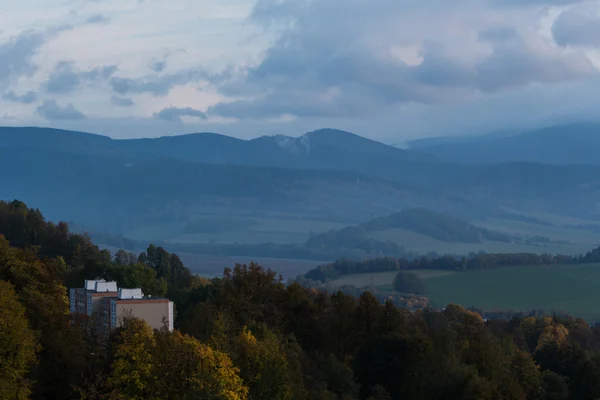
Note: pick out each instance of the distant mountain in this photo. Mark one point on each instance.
(322, 149)
(417, 144)
(421, 221)
(322, 179)
(109, 191)
(435, 225)
(561, 145)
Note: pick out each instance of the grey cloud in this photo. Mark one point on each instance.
(158, 86)
(161, 85)
(174, 114)
(26, 98)
(65, 78)
(121, 101)
(158, 66)
(96, 73)
(97, 19)
(322, 66)
(16, 56)
(499, 33)
(577, 28)
(512, 63)
(519, 65)
(52, 111)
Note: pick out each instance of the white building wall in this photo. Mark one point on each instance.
(171, 316)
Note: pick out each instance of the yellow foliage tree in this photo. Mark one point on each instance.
(18, 345)
(553, 333)
(188, 369)
(131, 371)
(264, 366)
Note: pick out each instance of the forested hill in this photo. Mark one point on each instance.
(319, 149)
(246, 335)
(328, 272)
(422, 221)
(559, 144)
(333, 176)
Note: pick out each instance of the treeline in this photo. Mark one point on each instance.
(407, 301)
(247, 335)
(312, 249)
(327, 272)
(156, 271)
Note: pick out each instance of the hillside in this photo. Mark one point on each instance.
(111, 193)
(398, 227)
(247, 335)
(433, 224)
(325, 148)
(561, 144)
(280, 189)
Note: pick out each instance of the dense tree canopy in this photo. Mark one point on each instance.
(246, 335)
(18, 345)
(406, 282)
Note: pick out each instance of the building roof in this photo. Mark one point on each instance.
(91, 284)
(130, 294)
(106, 287)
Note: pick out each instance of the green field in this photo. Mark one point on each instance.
(574, 289)
(383, 280)
(570, 288)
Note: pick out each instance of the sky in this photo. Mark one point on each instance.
(392, 70)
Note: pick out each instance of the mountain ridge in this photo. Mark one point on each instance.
(324, 148)
(566, 144)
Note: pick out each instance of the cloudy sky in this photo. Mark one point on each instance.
(388, 69)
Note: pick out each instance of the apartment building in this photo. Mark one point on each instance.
(111, 305)
(87, 300)
(157, 312)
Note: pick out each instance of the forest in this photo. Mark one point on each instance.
(474, 261)
(247, 335)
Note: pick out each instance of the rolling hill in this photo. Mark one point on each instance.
(561, 144)
(206, 188)
(322, 149)
(111, 192)
(396, 228)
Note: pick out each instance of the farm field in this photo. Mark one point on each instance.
(383, 280)
(569, 288)
(423, 244)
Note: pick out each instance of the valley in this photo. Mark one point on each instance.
(324, 195)
(565, 289)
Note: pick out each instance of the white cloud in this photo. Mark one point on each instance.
(322, 47)
(281, 66)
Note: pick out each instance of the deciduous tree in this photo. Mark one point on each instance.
(18, 346)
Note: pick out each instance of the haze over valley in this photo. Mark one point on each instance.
(323, 195)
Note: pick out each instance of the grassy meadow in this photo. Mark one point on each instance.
(570, 288)
(383, 280)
